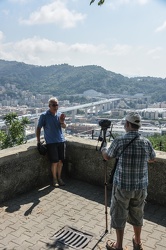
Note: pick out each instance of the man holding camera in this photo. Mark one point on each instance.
(53, 121)
(130, 181)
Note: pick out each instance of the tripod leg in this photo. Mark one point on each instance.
(105, 184)
(106, 213)
(106, 229)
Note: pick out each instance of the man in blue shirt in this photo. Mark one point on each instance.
(130, 181)
(52, 121)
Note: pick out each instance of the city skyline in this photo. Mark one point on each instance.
(123, 36)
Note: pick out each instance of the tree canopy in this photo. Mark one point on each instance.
(99, 2)
(15, 132)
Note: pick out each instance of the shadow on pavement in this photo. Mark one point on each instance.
(30, 197)
(89, 191)
(56, 244)
(155, 213)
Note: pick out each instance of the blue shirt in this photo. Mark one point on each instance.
(132, 168)
(52, 127)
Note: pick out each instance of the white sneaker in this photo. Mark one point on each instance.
(55, 183)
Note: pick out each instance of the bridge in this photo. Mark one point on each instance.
(105, 102)
(100, 106)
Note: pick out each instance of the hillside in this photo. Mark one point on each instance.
(65, 79)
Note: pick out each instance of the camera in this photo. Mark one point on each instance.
(104, 124)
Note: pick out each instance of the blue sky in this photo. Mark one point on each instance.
(123, 36)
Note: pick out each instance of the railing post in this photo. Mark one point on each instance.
(92, 133)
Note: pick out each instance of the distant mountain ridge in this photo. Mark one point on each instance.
(65, 79)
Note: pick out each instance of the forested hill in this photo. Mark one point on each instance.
(67, 80)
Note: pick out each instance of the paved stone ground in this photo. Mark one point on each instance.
(30, 221)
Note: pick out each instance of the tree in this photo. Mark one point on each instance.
(158, 142)
(99, 3)
(15, 131)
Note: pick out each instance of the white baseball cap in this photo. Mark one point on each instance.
(134, 118)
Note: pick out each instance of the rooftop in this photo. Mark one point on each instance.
(31, 220)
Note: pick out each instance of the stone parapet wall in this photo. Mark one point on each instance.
(22, 168)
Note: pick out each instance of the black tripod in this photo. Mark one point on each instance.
(104, 130)
(103, 133)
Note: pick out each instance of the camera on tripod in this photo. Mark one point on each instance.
(104, 124)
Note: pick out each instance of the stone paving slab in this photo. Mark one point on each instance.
(30, 221)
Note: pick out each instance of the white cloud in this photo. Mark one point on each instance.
(120, 58)
(121, 50)
(154, 51)
(161, 28)
(1, 36)
(56, 13)
(37, 47)
(88, 48)
(45, 52)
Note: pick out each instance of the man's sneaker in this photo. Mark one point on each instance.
(55, 183)
(61, 183)
(137, 246)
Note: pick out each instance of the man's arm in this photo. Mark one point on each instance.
(152, 157)
(38, 131)
(105, 155)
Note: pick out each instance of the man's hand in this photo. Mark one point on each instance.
(62, 118)
(104, 149)
(152, 161)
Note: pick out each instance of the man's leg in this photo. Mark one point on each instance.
(119, 236)
(61, 155)
(54, 170)
(54, 167)
(59, 169)
(119, 241)
(137, 244)
(137, 232)
(119, 213)
(59, 172)
(136, 216)
(53, 157)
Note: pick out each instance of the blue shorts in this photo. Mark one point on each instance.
(127, 206)
(56, 152)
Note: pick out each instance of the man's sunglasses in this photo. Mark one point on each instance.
(54, 105)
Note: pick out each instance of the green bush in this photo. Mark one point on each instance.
(15, 131)
(158, 142)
